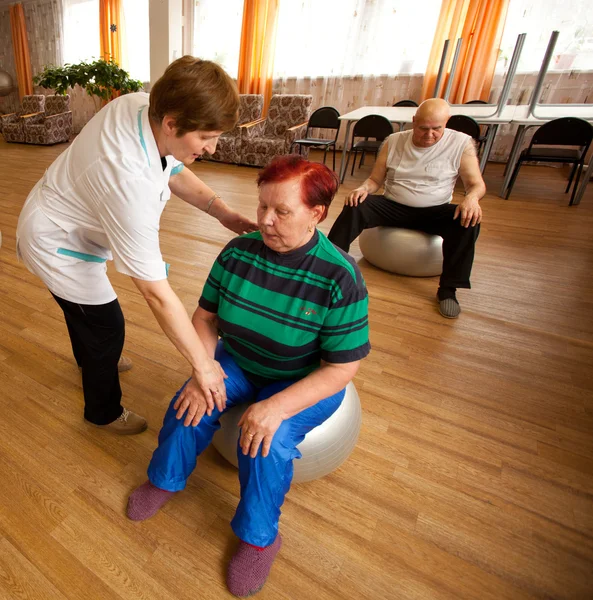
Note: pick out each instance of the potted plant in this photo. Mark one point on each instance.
(104, 79)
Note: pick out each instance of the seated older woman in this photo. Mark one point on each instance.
(291, 310)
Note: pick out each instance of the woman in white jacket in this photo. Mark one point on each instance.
(102, 200)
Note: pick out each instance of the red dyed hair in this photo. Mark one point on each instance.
(319, 183)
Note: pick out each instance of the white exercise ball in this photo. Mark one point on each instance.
(324, 448)
(6, 84)
(403, 251)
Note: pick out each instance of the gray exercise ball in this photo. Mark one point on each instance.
(403, 251)
(324, 448)
(6, 84)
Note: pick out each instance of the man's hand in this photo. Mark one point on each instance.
(238, 223)
(356, 196)
(470, 211)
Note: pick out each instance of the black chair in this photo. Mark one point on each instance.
(476, 102)
(371, 126)
(465, 125)
(406, 103)
(567, 131)
(326, 117)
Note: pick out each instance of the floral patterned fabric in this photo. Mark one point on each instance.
(12, 124)
(52, 127)
(229, 144)
(286, 121)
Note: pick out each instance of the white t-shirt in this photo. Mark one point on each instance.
(423, 177)
(101, 199)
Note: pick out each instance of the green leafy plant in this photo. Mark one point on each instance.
(102, 78)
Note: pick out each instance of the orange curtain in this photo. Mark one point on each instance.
(20, 45)
(258, 44)
(480, 24)
(110, 29)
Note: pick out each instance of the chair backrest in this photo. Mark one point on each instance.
(32, 104)
(250, 107)
(326, 117)
(567, 131)
(476, 102)
(287, 110)
(372, 126)
(55, 105)
(465, 125)
(406, 103)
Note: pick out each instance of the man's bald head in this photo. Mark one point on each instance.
(429, 122)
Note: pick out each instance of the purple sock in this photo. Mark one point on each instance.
(145, 501)
(250, 566)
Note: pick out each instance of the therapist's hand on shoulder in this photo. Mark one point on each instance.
(238, 223)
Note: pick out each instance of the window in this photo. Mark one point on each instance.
(354, 37)
(81, 30)
(136, 54)
(572, 18)
(217, 32)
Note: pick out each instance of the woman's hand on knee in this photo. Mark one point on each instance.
(193, 404)
(258, 425)
(210, 379)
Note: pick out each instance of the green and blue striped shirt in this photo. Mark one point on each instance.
(279, 315)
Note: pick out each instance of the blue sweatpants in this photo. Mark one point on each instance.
(264, 481)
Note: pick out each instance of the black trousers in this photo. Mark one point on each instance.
(97, 335)
(458, 242)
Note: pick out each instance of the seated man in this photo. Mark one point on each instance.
(419, 168)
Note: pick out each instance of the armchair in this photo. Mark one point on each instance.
(286, 122)
(51, 127)
(228, 148)
(12, 123)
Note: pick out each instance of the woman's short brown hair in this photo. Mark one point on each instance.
(198, 94)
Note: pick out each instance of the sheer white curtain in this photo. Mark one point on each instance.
(351, 53)
(81, 30)
(217, 32)
(136, 39)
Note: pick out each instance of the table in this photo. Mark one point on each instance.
(545, 114)
(482, 113)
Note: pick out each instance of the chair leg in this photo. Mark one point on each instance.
(361, 159)
(572, 172)
(334, 158)
(576, 183)
(347, 159)
(513, 178)
(354, 161)
(324, 154)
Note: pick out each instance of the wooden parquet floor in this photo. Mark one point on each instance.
(473, 474)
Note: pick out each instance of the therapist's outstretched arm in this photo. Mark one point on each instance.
(194, 191)
(175, 322)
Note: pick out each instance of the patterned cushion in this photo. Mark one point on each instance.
(54, 105)
(229, 143)
(32, 104)
(51, 130)
(286, 111)
(260, 143)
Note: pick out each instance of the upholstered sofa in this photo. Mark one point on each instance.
(228, 148)
(272, 136)
(12, 123)
(52, 126)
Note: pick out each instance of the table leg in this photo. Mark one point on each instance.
(345, 152)
(584, 181)
(488, 146)
(519, 137)
(512, 152)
